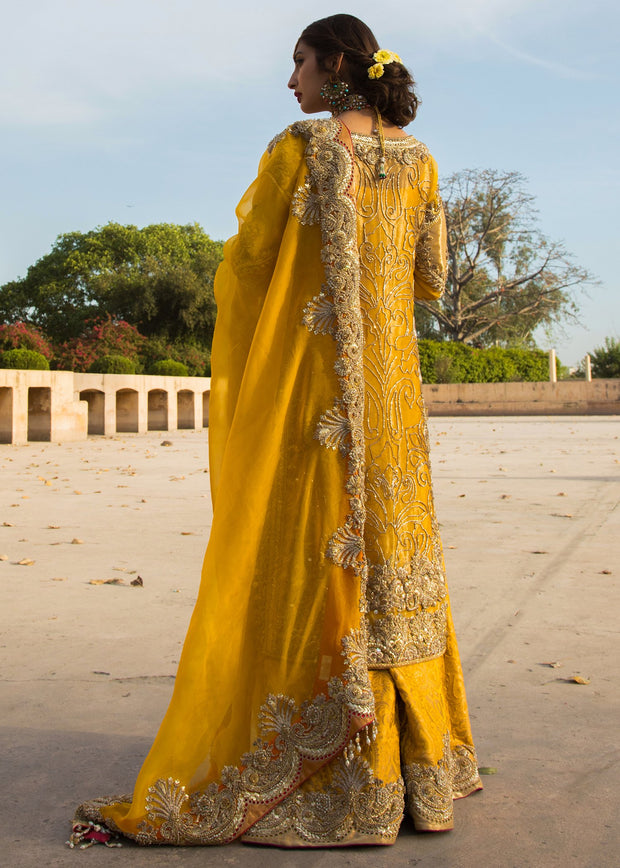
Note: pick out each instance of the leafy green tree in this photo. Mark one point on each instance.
(606, 359)
(159, 279)
(505, 279)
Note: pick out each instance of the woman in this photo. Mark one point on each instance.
(320, 666)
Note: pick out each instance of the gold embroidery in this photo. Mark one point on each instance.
(406, 581)
(306, 205)
(431, 789)
(334, 429)
(430, 268)
(320, 315)
(356, 808)
(397, 639)
(277, 138)
(420, 583)
(316, 731)
(330, 166)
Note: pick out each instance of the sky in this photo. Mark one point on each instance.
(148, 111)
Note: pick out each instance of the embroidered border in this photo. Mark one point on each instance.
(432, 789)
(330, 165)
(356, 808)
(317, 731)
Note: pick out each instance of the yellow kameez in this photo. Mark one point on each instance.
(320, 666)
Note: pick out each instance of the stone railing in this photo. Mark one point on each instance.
(60, 405)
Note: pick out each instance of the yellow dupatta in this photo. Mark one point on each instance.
(273, 680)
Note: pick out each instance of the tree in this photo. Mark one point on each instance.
(606, 359)
(159, 279)
(505, 279)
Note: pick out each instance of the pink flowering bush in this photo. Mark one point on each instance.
(23, 336)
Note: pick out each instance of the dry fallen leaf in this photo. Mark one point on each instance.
(187, 533)
(53, 526)
(137, 582)
(107, 582)
(577, 679)
(166, 443)
(561, 494)
(561, 514)
(59, 579)
(506, 496)
(605, 572)
(552, 664)
(4, 557)
(25, 562)
(7, 524)
(538, 552)
(77, 542)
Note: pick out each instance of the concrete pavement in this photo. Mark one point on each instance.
(531, 529)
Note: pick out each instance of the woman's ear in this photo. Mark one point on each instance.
(334, 63)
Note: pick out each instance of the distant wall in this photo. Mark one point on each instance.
(61, 405)
(568, 397)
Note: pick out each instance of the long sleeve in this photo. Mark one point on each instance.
(431, 255)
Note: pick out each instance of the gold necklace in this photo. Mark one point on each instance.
(381, 162)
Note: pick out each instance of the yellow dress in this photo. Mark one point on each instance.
(320, 667)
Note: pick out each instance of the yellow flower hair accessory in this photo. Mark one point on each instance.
(381, 58)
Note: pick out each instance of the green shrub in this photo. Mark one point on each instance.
(27, 360)
(606, 359)
(169, 368)
(112, 365)
(196, 357)
(455, 362)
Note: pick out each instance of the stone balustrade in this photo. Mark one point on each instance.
(61, 405)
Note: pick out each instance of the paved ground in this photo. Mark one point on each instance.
(531, 526)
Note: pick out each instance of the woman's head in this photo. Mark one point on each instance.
(344, 45)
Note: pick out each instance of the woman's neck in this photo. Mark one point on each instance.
(364, 122)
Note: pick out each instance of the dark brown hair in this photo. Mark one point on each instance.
(393, 94)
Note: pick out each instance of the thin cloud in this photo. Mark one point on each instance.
(553, 66)
(71, 62)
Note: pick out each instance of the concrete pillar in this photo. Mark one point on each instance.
(20, 411)
(6, 414)
(588, 367)
(173, 408)
(197, 410)
(553, 377)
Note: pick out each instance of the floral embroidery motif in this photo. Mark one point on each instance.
(306, 205)
(431, 789)
(317, 731)
(320, 315)
(330, 167)
(397, 639)
(356, 808)
(334, 429)
(427, 265)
